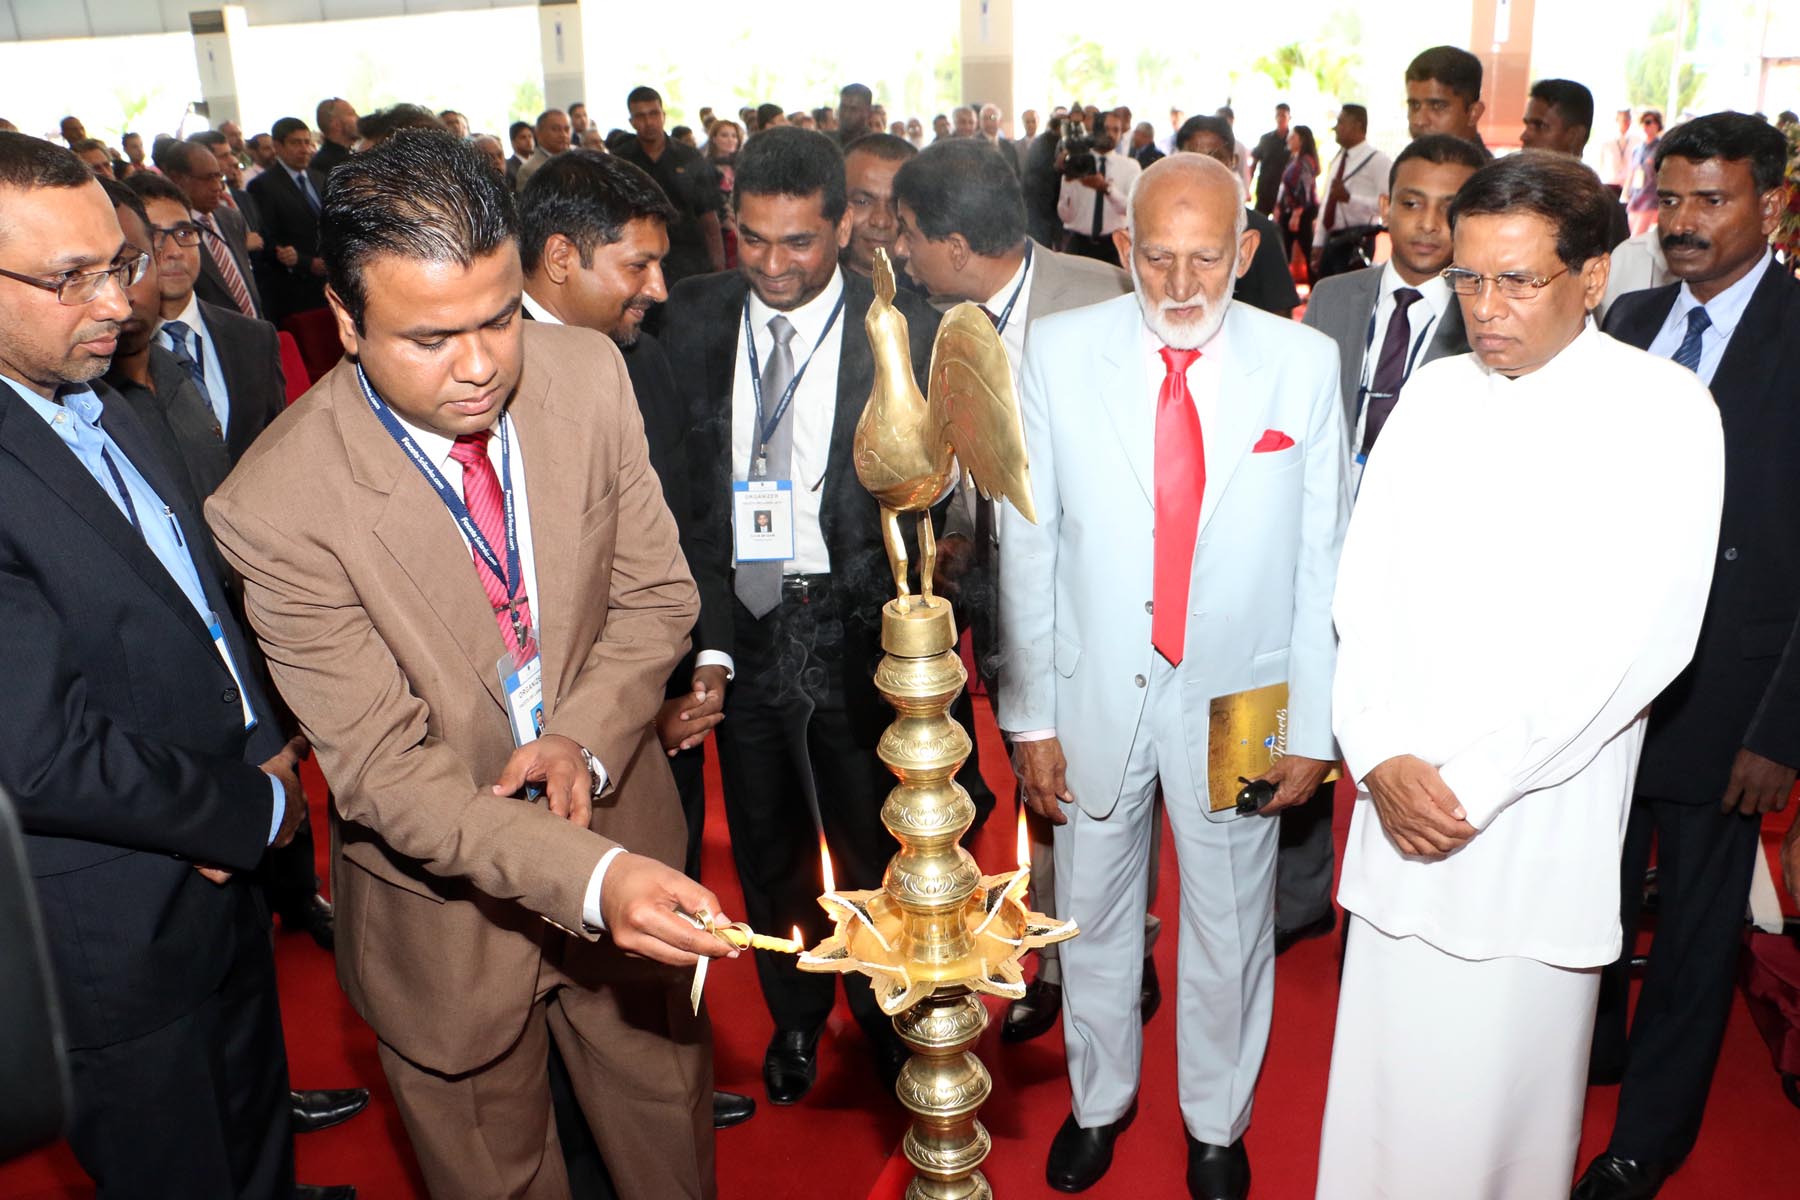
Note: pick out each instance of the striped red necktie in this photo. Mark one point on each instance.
(227, 264)
(1180, 485)
(487, 506)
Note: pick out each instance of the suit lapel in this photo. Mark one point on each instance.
(1450, 338)
(24, 436)
(856, 378)
(1638, 324)
(412, 525)
(552, 446)
(1127, 404)
(1244, 399)
(1744, 372)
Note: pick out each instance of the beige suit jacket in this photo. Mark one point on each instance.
(380, 638)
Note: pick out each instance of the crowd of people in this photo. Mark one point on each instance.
(1550, 623)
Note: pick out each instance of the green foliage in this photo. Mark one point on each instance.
(1647, 66)
(132, 106)
(527, 102)
(1330, 70)
(1084, 71)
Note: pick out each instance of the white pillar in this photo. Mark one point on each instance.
(565, 69)
(213, 30)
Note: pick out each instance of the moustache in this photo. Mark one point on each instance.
(1685, 241)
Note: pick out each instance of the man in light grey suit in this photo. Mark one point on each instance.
(1189, 468)
(962, 235)
(1357, 311)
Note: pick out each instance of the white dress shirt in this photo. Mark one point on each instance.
(1525, 570)
(704, 658)
(1422, 320)
(208, 358)
(1637, 264)
(1365, 178)
(437, 448)
(1205, 379)
(1726, 309)
(1076, 202)
(814, 411)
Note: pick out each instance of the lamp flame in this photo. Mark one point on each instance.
(799, 942)
(825, 863)
(1024, 840)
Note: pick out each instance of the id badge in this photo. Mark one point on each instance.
(218, 636)
(762, 520)
(522, 683)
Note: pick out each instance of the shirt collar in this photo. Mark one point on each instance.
(81, 401)
(1434, 291)
(809, 319)
(538, 311)
(190, 316)
(296, 176)
(1021, 281)
(1727, 308)
(436, 446)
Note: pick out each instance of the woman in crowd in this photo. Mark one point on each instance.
(1297, 203)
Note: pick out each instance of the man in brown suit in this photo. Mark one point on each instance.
(470, 906)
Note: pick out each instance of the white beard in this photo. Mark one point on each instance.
(1182, 335)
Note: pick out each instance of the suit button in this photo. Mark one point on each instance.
(1138, 679)
(1150, 606)
(229, 696)
(1731, 554)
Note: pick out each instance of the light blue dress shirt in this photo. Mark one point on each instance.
(208, 358)
(1725, 310)
(77, 422)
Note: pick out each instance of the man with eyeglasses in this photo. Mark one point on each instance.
(226, 278)
(1524, 572)
(149, 775)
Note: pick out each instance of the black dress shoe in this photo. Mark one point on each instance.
(1287, 939)
(1610, 1177)
(312, 1191)
(1032, 1014)
(1217, 1172)
(1079, 1157)
(313, 1111)
(730, 1109)
(314, 917)
(1149, 992)
(790, 1064)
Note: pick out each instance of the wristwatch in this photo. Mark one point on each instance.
(596, 776)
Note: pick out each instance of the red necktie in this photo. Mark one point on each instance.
(1180, 484)
(1331, 203)
(487, 505)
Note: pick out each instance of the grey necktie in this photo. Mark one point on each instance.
(758, 584)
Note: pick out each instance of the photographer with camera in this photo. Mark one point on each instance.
(1096, 182)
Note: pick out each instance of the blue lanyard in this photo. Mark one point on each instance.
(511, 576)
(766, 429)
(1000, 322)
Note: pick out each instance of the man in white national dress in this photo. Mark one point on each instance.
(1525, 571)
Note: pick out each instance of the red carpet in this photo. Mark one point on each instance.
(838, 1143)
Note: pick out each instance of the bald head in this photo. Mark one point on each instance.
(1186, 243)
(1188, 181)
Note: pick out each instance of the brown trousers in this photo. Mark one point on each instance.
(641, 1065)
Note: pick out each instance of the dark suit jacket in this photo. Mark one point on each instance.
(1743, 686)
(123, 746)
(179, 424)
(211, 285)
(1340, 308)
(700, 329)
(1267, 284)
(1042, 184)
(288, 220)
(250, 356)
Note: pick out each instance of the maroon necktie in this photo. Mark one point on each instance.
(1390, 368)
(487, 506)
(1331, 200)
(1180, 486)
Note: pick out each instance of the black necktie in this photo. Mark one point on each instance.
(1100, 203)
(1390, 368)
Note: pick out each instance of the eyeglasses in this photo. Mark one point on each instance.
(1514, 285)
(183, 235)
(82, 287)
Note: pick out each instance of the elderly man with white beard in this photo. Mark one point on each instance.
(1191, 495)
